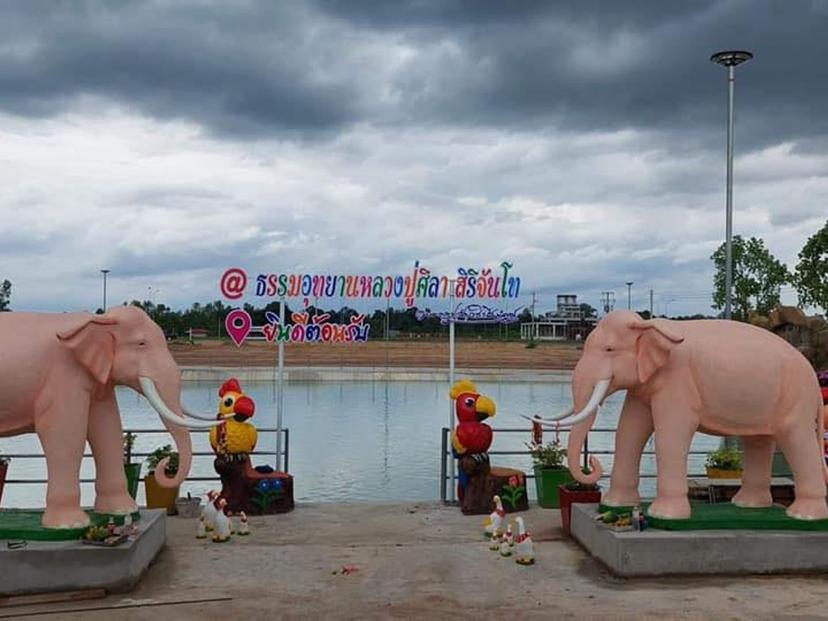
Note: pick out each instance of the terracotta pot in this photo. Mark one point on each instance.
(570, 497)
(160, 497)
(3, 469)
(717, 473)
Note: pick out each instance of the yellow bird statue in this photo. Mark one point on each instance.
(234, 434)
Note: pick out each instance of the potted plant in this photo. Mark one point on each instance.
(573, 492)
(161, 497)
(131, 470)
(550, 472)
(724, 463)
(4, 467)
(188, 506)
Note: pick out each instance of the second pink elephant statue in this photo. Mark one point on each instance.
(720, 377)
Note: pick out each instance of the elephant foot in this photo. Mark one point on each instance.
(808, 509)
(115, 504)
(621, 498)
(65, 518)
(670, 508)
(753, 499)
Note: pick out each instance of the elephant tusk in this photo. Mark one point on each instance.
(151, 393)
(192, 414)
(558, 416)
(566, 425)
(595, 400)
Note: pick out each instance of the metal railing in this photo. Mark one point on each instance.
(446, 481)
(285, 454)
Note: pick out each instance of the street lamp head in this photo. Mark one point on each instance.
(629, 283)
(105, 271)
(731, 58)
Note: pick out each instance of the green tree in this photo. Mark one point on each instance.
(811, 276)
(588, 310)
(5, 295)
(757, 277)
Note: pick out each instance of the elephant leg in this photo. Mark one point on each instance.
(634, 429)
(673, 436)
(105, 438)
(756, 480)
(801, 449)
(63, 438)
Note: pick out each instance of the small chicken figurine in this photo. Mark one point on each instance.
(471, 436)
(234, 435)
(493, 525)
(208, 512)
(223, 524)
(509, 537)
(201, 531)
(244, 527)
(524, 548)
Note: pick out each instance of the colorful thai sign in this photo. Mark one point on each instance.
(472, 313)
(304, 329)
(469, 283)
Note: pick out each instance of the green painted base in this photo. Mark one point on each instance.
(727, 516)
(25, 524)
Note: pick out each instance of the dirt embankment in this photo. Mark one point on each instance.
(470, 354)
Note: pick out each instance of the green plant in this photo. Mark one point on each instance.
(577, 486)
(531, 345)
(129, 443)
(550, 455)
(514, 491)
(160, 453)
(725, 459)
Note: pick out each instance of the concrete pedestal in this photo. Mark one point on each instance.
(50, 566)
(660, 552)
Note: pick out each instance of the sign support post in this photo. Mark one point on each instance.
(280, 382)
(453, 490)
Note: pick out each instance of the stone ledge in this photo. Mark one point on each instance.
(46, 566)
(662, 553)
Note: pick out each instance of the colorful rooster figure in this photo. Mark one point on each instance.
(470, 437)
(234, 435)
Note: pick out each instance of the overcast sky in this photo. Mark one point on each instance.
(583, 141)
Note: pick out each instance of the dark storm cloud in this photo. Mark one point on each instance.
(262, 68)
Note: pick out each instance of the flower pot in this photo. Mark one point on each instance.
(133, 475)
(547, 481)
(188, 507)
(3, 469)
(717, 473)
(568, 498)
(160, 497)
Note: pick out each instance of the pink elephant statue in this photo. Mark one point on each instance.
(58, 374)
(720, 377)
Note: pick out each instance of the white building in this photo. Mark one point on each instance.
(566, 322)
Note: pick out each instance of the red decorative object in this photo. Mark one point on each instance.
(569, 497)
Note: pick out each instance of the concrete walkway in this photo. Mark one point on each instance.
(416, 561)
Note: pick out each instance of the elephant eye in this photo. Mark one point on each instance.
(142, 343)
(609, 348)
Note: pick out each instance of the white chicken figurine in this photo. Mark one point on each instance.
(222, 522)
(494, 523)
(509, 537)
(524, 548)
(201, 531)
(494, 543)
(208, 513)
(505, 548)
(244, 527)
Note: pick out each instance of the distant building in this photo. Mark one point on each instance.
(565, 323)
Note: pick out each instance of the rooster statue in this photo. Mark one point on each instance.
(470, 436)
(234, 435)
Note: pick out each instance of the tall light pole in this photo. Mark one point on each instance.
(730, 59)
(629, 294)
(104, 272)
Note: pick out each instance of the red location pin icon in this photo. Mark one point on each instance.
(238, 324)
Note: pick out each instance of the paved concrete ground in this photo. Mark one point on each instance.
(418, 561)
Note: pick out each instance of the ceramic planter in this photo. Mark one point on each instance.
(133, 475)
(547, 482)
(160, 497)
(717, 473)
(188, 507)
(569, 497)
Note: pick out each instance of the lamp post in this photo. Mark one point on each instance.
(730, 59)
(629, 294)
(104, 272)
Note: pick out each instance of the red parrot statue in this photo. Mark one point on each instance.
(470, 436)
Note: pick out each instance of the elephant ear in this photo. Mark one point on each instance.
(93, 345)
(653, 347)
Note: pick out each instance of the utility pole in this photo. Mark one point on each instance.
(629, 294)
(608, 301)
(534, 324)
(104, 272)
(651, 303)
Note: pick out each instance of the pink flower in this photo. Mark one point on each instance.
(513, 481)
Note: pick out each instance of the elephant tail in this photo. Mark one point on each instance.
(821, 412)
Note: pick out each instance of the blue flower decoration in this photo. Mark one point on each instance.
(263, 485)
(276, 484)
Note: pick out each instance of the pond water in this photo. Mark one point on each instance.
(349, 441)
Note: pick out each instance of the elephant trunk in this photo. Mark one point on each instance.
(587, 397)
(184, 447)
